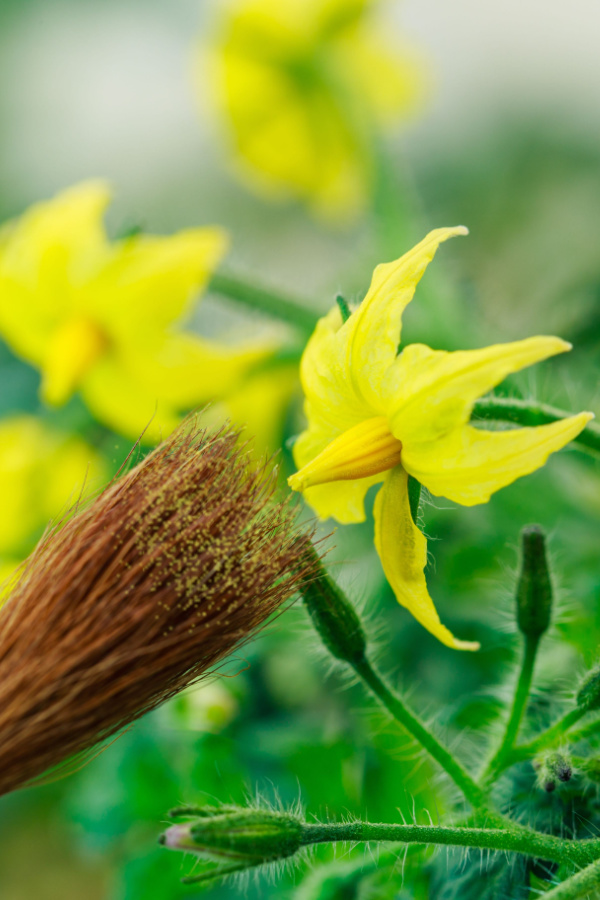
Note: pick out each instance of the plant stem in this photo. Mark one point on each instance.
(288, 309)
(522, 840)
(586, 731)
(548, 737)
(551, 735)
(529, 413)
(518, 708)
(578, 885)
(399, 711)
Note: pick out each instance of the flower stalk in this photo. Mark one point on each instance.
(285, 308)
(341, 631)
(237, 838)
(398, 709)
(533, 608)
(518, 840)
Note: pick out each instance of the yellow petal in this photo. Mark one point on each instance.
(403, 553)
(372, 333)
(428, 393)
(332, 406)
(72, 349)
(345, 365)
(188, 370)
(151, 281)
(120, 398)
(470, 464)
(343, 501)
(260, 402)
(45, 256)
(42, 472)
(326, 380)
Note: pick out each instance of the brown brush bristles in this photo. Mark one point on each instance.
(134, 597)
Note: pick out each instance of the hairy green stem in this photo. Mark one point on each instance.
(518, 708)
(550, 736)
(586, 731)
(579, 885)
(530, 413)
(519, 840)
(399, 711)
(288, 309)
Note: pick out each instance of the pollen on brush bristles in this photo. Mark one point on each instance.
(135, 596)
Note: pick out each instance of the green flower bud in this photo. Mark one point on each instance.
(334, 618)
(552, 767)
(247, 837)
(534, 589)
(588, 695)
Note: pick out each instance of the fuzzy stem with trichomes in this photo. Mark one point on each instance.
(518, 708)
(273, 303)
(579, 885)
(548, 738)
(403, 715)
(342, 632)
(518, 840)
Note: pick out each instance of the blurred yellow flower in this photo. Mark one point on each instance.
(260, 403)
(375, 415)
(101, 317)
(42, 473)
(304, 87)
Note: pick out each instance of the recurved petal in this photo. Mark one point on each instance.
(470, 464)
(343, 501)
(403, 553)
(429, 393)
(372, 333)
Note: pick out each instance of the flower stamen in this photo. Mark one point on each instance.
(72, 350)
(365, 449)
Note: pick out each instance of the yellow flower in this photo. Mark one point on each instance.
(304, 86)
(42, 472)
(375, 415)
(100, 317)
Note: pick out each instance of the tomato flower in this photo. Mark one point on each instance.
(302, 86)
(376, 415)
(103, 318)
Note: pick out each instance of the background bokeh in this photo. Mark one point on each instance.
(508, 143)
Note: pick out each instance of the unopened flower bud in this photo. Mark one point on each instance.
(588, 695)
(560, 765)
(248, 837)
(334, 617)
(534, 589)
(552, 767)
